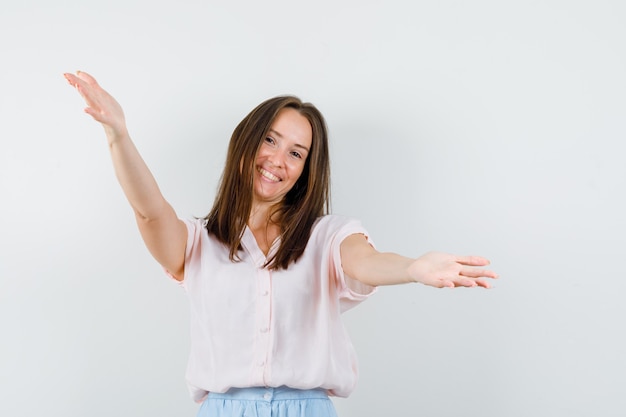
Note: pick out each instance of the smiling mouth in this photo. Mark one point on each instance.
(269, 175)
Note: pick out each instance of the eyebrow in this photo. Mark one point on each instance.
(281, 137)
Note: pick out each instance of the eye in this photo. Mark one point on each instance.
(270, 140)
(296, 154)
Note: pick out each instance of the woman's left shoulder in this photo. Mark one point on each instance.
(334, 223)
(330, 220)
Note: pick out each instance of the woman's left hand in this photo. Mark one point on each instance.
(440, 270)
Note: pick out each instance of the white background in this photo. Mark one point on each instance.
(476, 127)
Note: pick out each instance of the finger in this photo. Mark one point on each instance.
(86, 77)
(71, 79)
(478, 273)
(83, 87)
(447, 284)
(75, 82)
(465, 282)
(483, 283)
(472, 260)
(84, 93)
(93, 113)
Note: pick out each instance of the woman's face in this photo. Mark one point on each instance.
(282, 156)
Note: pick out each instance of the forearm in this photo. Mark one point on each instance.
(378, 269)
(136, 180)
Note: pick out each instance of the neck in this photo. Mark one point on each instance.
(263, 214)
(265, 228)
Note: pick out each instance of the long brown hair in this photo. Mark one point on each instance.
(304, 203)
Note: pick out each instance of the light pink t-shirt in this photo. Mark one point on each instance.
(253, 327)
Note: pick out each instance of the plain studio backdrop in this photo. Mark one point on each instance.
(481, 127)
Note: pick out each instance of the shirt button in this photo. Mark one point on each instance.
(261, 363)
(265, 293)
(264, 330)
(267, 396)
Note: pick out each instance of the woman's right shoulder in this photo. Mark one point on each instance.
(195, 231)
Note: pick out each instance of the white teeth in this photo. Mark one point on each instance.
(268, 175)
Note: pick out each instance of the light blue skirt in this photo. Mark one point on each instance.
(268, 402)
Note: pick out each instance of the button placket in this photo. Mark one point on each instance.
(262, 339)
(263, 322)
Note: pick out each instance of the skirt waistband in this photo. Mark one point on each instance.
(270, 394)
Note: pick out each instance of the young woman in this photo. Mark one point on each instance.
(268, 272)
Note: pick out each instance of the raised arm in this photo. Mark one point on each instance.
(163, 233)
(363, 263)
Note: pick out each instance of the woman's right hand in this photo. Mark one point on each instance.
(100, 104)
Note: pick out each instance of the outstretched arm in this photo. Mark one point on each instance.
(163, 233)
(364, 263)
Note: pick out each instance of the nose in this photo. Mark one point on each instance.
(277, 158)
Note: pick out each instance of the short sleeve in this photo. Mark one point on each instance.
(351, 291)
(194, 230)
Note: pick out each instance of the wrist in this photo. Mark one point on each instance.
(413, 271)
(115, 136)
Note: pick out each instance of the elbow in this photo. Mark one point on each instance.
(362, 272)
(148, 215)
